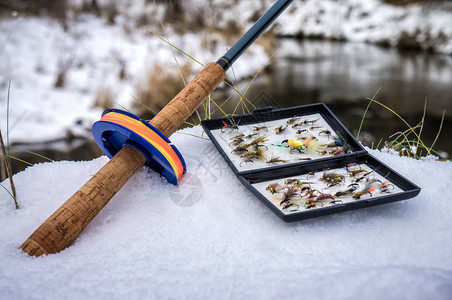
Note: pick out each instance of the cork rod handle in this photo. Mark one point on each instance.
(68, 221)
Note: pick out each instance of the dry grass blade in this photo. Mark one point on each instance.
(219, 107)
(379, 142)
(2, 170)
(254, 78)
(439, 131)
(422, 123)
(365, 112)
(9, 171)
(405, 145)
(410, 128)
(235, 83)
(172, 51)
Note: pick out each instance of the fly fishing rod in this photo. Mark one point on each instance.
(131, 143)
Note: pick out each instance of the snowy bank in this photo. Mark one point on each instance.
(91, 59)
(426, 25)
(221, 242)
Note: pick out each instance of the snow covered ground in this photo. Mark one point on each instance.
(92, 54)
(222, 242)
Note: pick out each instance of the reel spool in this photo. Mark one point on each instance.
(117, 128)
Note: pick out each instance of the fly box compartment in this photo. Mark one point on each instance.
(302, 162)
(322, 188)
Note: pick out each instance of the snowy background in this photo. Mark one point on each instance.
(63, 69)
(224, 243)
(221, 242)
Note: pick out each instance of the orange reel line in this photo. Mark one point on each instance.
(117, 128)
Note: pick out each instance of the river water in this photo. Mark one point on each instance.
(341, 75)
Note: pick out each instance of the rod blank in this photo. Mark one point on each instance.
(253, 33)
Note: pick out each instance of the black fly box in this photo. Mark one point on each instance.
(302, 162)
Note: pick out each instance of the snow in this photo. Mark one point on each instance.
(224, 243)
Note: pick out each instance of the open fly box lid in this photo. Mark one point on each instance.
(270, 139)
(302, 162)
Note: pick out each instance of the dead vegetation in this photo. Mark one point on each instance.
(7, 165)
(157, 87)
(50, 8)
(104, 98)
